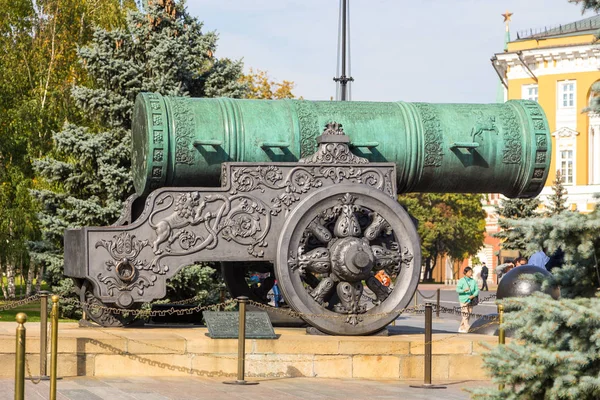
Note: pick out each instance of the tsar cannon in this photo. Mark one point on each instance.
(305, 188)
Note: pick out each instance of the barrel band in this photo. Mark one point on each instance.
(157, 121)
(432, 134)
(542, 148)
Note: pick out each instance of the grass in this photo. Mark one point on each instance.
(32, 309)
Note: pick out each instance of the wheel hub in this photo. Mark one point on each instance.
(352, 259)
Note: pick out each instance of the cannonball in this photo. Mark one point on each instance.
(488, 325)
(513, 284)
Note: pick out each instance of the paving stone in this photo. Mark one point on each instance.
(192, 388)
(79, 395)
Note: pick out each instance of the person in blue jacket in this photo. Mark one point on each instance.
(467, 290)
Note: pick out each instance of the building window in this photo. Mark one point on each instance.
(529, 92)
(565, 163)
(566, 94)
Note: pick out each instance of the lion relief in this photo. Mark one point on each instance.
(187, 211)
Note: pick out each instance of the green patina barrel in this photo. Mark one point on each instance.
(453, 148)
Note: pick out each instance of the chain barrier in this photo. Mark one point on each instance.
(145, 312)
(30, 375)
(425, 297)
(92, 307)
(9, 305)
(419, 309)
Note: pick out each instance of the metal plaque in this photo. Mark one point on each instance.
(225, 324)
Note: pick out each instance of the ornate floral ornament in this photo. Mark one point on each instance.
(333, 148)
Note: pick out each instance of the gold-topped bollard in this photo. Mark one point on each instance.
(20, 357)
(242, 300)
(54, 347)
(501, 334)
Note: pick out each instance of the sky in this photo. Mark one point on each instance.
(436, 51)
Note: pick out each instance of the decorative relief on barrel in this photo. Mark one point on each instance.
(483, 123)
(432, 135)
(540, 157)
(184, 131)
(309, 127)
(158, 137)
(157, 119)
(541, 130)
(511, 134)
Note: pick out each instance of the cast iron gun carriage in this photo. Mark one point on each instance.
(249, 181)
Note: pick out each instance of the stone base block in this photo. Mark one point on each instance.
(188, 351)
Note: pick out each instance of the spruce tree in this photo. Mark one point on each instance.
(87, 176)
(557, 199)
(512, 236)
(556, 351)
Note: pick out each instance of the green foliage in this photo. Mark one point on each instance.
(558, 197)
(578, 236)
(200, 281)
(557, 351)
(86, 177)
(449, 224)
(38, 41)
(513, 238)
(261, 86)
(556, 354)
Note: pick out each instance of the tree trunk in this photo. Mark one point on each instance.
(428, 269)
(2, 284)
(430, 263)
(40, 276)
(30, 276)
(10, 280)
(22, 284)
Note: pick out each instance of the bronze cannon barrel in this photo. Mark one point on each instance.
(465, 148)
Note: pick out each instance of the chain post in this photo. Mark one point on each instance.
(20, 357)
(54, 347)
(43, 332)
(428, 347)
(428, 350)
(416, 297)
(437, 310)
(501, 334)
(242, 300)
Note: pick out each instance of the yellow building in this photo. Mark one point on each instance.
(557, 67)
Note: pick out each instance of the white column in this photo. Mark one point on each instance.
(592, 147)
(596, 155)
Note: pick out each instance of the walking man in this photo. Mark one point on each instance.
(484, 276)
(467, 290)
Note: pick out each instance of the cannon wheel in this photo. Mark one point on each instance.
(315, 231)
(234, 274)
(99, 315)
